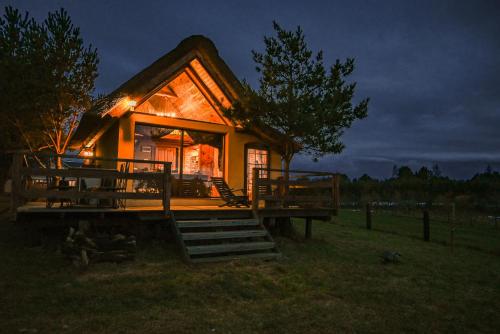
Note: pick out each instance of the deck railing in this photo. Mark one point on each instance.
(104, 169)
(303, 189)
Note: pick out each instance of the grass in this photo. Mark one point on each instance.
(332, 283)
(481, 236)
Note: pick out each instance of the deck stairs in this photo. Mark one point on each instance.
(213, 240)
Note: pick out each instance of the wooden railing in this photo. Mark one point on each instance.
(23, 175)
(303, 189)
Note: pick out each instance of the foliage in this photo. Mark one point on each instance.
(308, 105)
(47, 78)
(424, 186)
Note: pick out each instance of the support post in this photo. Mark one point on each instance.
(368, 216)
(17, 164)
(308, 232)
(426, 220)
(255, 189)
(166, 189)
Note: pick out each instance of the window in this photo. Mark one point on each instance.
(194, 154)
(256, 158)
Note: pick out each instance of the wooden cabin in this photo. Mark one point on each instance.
(162, 139)
(172, 111)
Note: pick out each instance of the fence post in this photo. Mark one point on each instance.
(452, 227)
(336, 194)
(255, 189)
(368, 216)
(426, 226)
(17, 164)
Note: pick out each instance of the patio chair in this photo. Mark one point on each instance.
(117, 185)
(227, 194)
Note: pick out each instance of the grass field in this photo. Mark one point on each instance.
(332, 283)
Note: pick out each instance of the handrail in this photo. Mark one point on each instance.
(79, 157)
(278, 195)
(20, 192)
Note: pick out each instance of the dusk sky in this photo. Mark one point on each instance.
(431, 68)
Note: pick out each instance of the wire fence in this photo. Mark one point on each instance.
(453, 226)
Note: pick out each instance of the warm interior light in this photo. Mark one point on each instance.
(132, 104)
(87, 153)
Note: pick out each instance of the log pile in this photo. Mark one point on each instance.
(83, 250)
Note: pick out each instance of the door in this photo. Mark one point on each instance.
(256, 156)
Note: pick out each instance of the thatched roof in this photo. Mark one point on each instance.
(142, 84)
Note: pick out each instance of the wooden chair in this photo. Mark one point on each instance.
(227, 194)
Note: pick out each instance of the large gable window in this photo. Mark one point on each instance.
(181, 98)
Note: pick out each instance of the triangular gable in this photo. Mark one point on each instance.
(195, 57)
(188, 96)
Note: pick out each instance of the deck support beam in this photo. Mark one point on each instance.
(308, 232)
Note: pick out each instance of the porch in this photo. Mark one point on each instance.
(204, 228)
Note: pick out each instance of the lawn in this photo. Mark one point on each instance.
(332, 283)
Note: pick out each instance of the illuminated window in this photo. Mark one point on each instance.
(181, 98)
(256, 158)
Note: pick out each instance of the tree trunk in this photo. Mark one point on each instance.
(59, 164)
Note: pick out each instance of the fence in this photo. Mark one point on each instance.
(114, 176)
(445, 224)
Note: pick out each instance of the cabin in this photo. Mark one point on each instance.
(172, 111)
(159, 149)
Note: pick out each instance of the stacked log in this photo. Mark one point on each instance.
(83, 250)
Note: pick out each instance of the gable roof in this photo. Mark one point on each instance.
(97, 120)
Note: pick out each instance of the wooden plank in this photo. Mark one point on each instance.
(217, 223)
(90, 173)
(74, 194)
(262, 256)
(226, 248)
(77, 157)
(294, 171)
(298, 198)
(224, 235)
(291, 183)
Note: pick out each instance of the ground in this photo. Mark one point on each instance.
(332, 283)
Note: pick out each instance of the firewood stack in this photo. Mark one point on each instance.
(83, 250)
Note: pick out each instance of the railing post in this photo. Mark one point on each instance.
(255, 189)
(166, 188)
(17, 164)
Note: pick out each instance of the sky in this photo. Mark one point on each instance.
(430, 68)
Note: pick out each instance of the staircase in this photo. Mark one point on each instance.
(224, 239)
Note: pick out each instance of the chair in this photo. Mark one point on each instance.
(227, 194)
(117, 185)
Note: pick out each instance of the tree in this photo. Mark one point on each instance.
(306, 105)
(424, 173)
(436, 171)
(49, 75)
(394, 171)
(405, 172)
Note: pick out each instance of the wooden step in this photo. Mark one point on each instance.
(227, 248)
(262, 256)
(217, 223)
(224, 235)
